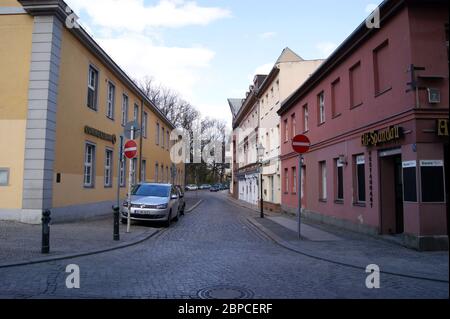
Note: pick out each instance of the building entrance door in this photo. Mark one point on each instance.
(391, 191)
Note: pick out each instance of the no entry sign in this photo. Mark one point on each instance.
(130, 149)
(301, 144)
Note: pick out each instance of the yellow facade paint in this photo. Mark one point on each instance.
(15, 52)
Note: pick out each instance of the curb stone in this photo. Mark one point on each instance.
(291, 247)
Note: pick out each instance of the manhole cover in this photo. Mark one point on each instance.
(225, 292)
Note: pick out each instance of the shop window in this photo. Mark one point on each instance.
(4, 176)
(356, 86)
(110, 100)
(108, 168)
(409, 181)
(432, 181)
(323, 180)
(89, 165)
(92, 88)
(360, 179)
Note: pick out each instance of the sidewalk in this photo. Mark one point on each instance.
(346, 248)
(21, 243)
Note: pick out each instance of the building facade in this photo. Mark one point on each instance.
(288, 73)
(64, 104)
(376, 112)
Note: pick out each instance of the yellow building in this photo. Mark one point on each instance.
(63, 106)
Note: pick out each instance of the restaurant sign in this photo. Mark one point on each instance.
(386, 135)
(99, 134)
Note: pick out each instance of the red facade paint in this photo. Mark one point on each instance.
(364, 85)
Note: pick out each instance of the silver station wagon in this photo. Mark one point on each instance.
(153, 202)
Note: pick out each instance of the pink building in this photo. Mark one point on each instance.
(376, 112)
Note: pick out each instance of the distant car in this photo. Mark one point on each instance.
(215, 188)
(191, 187)
(205, 186)
(181, 197)
(153, 202)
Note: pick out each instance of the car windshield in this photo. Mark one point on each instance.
(151, 190)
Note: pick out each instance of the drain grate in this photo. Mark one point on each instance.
(225, 292)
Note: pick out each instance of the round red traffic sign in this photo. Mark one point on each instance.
(130, 149)
(301, 144)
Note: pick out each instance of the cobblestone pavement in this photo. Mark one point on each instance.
(213, 247)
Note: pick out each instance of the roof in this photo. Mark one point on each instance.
(387, 9)
(235, 105)
(58, 9)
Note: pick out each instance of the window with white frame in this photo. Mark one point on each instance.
(144, 125)
(136, 113)
(108, 167)
(321, 101)
(4, 176)
(124, 109)
(305, 118)
(110, 100)
(168, 139)
(92, 88)
(89, 165)
(162, 137)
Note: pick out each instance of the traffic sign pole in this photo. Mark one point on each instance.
(130, 174)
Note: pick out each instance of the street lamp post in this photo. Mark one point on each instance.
(260, 152)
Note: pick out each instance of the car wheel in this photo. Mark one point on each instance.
(169, 220)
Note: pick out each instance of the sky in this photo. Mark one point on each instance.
(209, 51)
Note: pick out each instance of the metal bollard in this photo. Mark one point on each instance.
(116, 222)
(45, 231)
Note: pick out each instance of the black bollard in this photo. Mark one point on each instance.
(46, 231)
(116, 223)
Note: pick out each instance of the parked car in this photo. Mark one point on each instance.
(181, 197)
(191, 187)
(153, 202)
(215, 188)
(205, 186)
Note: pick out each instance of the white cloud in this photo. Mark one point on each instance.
(326, 48)
(135, 15)
(268, 35)
(176, 67)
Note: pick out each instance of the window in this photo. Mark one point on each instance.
(323, 180)
(124, 109)
(122, 173)
(89, 165)
(133, 171)
(110, 100)
(168, 139)
(293, 125)
(92, 88)
(144, 125)
(143, 169)
(321, 103)
(4, 176)
(336, 98)
(157, 134)
(305, 118)
(294, 180)
(267, 143)
(286, 130)
(339, 180)
(356, 85)
(136, 113)
(162, 137)
(167, 175)
(108, 168)
(360, 179)
(286, 181)
(382, 68)
(156, 172)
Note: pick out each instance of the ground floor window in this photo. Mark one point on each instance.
(360, 179)
(339, 180)
(108, 168)
(323, 180)
(122, 173)
(89, 165)
(286, 180)
(294, 180)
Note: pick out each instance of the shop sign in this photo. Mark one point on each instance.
(442, 127)
(387, 135)
(99, 134)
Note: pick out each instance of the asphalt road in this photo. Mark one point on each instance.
(211, 252)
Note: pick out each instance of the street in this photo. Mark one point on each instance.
(211, 252)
